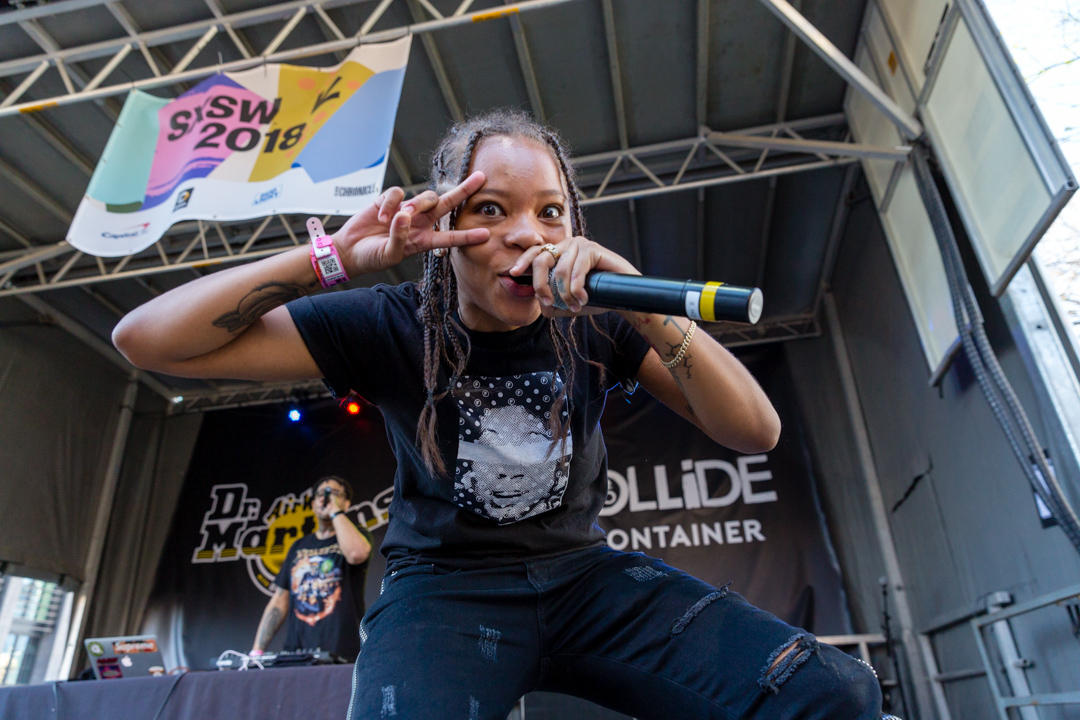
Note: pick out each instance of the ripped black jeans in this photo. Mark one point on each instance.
(622, 630)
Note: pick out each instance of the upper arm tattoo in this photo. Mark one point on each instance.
(258, 302)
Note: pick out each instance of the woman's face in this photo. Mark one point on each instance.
(522, 203)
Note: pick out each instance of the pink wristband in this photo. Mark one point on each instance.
(327, 264)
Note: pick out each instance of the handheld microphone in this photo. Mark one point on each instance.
(707, 301)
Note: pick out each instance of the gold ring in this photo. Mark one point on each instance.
(551, 248)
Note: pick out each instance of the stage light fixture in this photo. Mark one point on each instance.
(351, 403)
(294, 414)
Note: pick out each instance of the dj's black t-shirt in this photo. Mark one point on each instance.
(326, 596)
(507, 494)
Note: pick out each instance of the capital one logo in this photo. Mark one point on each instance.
(129, 232)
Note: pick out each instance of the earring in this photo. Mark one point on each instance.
(438, 252)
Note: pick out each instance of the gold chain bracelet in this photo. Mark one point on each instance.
(682, 348)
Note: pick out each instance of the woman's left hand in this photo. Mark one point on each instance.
(576, 257)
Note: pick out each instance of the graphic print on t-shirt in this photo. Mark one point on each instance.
(316, 583)
(507, 469)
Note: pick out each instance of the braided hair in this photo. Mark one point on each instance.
(443, 336)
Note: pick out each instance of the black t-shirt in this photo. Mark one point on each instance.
(326, 596)
(505, 496)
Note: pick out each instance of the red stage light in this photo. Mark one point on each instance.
(353, 408)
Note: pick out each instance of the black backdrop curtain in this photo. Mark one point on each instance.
(156, 457)
(751, 520)
(59, 403)
(674, 494)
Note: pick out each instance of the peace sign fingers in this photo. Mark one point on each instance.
(426, 209)
(435, 206)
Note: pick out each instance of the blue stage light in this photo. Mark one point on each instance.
(294, 415)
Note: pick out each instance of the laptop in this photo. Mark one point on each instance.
(125, 657)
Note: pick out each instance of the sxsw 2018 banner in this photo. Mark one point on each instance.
(752, 520)
(273, 139)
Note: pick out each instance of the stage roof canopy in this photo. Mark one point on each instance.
(708, 136)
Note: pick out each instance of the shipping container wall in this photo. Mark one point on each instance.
(961, 514)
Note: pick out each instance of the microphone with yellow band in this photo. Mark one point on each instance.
(707, 301)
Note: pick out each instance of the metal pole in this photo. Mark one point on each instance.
(59, 641)
(897, 154)
(50, 9)
(615, 68)
(1010, 655)
(889, 556)
(101, 524)
(909, 127)
(702, 90)
(35, 255)
(9, 594)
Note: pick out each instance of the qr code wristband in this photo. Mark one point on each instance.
(328, 266)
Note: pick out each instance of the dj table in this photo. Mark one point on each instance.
(297, 692)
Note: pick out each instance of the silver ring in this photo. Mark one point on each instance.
(551, 248)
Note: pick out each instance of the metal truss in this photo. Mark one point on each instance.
(769, 330)
(203, 31)
(693, 163)
(238, 396)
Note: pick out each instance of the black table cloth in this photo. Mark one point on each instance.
(303, 693)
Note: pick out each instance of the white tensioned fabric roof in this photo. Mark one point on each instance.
(708, 135)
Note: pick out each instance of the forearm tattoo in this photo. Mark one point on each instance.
(672, 352)
(639, 322)
(669, 320)
(270, 623)
(258, 302)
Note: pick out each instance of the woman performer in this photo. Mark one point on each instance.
(498, 578)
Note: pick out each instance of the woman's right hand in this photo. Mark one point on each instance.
(231, 324)
(388, 231)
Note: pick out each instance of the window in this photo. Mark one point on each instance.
(34, 618)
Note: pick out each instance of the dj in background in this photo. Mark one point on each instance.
(319, 591)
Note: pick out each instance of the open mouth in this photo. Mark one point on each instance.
(520, 286)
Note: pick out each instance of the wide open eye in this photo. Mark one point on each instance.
(489, 209)
(551, 212)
